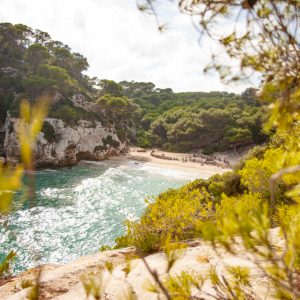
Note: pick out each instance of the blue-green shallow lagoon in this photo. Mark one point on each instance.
(79, 209)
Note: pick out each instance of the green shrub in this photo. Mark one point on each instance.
(110, 141)
(185, 146)
(122, 134)
(66, 113)
(143, 237)
(49, 132)
(169, 147)
(228, 183)
(70, 114)
(176, 213)
(105, 248)
(144, 139)
(209, 150)
(5, 265)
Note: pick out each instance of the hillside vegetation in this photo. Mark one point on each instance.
(185, 121)
(32, 64)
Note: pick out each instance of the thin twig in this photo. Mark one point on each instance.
(155, 276)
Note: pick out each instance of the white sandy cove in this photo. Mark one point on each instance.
(64, 282)
(194, 168)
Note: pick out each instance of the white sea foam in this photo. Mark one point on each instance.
(166, 171)
(170, 172)
(54, 193)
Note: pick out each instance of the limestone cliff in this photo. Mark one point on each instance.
(60, 144)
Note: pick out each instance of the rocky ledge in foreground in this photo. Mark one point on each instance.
(64, 282)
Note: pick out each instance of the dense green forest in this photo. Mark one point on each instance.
(32, 64)
(185, 121)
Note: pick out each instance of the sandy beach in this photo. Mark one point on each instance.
(202, 170)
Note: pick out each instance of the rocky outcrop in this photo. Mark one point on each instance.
(81, 101)
(61, 144)
(64, 282)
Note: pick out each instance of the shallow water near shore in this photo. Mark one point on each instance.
(78, 209)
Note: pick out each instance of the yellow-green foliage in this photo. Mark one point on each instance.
(182, 212)
(250, 217)
(176, 213)
(26, 283)
(279, 263)
(228, 183)
(234, 284)
(234, 214)
(180, 286)
(31, 121)
(10, 181)
(257, 172)
(93, 286)
(6, 263)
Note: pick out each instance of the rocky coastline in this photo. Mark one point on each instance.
(128, 273)
(61, 144)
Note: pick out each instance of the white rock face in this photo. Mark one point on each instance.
(80, 101)
(69, 144)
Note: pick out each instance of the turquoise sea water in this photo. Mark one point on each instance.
(79, 209)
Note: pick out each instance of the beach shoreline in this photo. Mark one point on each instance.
(181, 164)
